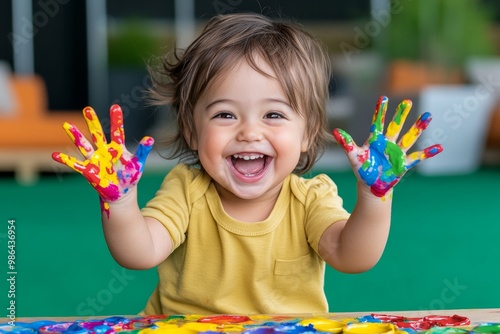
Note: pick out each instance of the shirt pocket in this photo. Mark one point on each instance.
(293, 267)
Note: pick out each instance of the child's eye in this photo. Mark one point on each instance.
(224, 115)
(275, 115)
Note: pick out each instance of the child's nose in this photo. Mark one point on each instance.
(249, 132)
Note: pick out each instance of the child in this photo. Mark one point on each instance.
(234, 228)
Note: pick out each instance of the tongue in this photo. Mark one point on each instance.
(249, 166)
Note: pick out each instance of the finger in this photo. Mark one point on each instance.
(418, 156)
(95, 128)
(394, 127)
(71, 162)
(83, 145)
(344, 139)
(145, 146)
(116, 115)
(411, 136)
(379, 115)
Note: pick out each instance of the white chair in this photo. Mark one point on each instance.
(460, 117)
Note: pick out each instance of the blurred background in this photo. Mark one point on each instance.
(58, 56)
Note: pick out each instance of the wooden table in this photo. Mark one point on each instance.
(476, 316)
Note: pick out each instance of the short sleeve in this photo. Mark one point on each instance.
(323, 207)
(172, 203)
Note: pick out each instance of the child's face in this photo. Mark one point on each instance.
(247, 136)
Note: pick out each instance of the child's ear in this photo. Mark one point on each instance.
(305, 145)
(191, 140)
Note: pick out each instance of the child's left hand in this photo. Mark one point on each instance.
(380, 163)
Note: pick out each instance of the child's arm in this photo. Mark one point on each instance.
(357, 244)
(135, 242)
(114, 172)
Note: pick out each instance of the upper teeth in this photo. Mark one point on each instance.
(248, 157)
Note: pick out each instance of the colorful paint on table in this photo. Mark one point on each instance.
(255, 324)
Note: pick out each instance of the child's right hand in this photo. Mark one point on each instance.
(109, 167)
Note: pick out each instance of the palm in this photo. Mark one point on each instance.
(381, 162)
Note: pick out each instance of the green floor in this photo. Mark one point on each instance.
(443, 251)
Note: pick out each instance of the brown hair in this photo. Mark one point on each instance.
(298, 60)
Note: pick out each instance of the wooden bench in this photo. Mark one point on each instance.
(30, 133)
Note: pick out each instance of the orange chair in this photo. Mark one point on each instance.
(30, 134)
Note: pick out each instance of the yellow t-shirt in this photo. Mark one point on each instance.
(224, 266)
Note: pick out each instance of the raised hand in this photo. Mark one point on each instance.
(381, 162)
(109, 167)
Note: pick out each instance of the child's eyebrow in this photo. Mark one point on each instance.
(267, 100)
(278, 100)
(211, 104)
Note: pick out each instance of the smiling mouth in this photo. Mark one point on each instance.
(249, 164)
